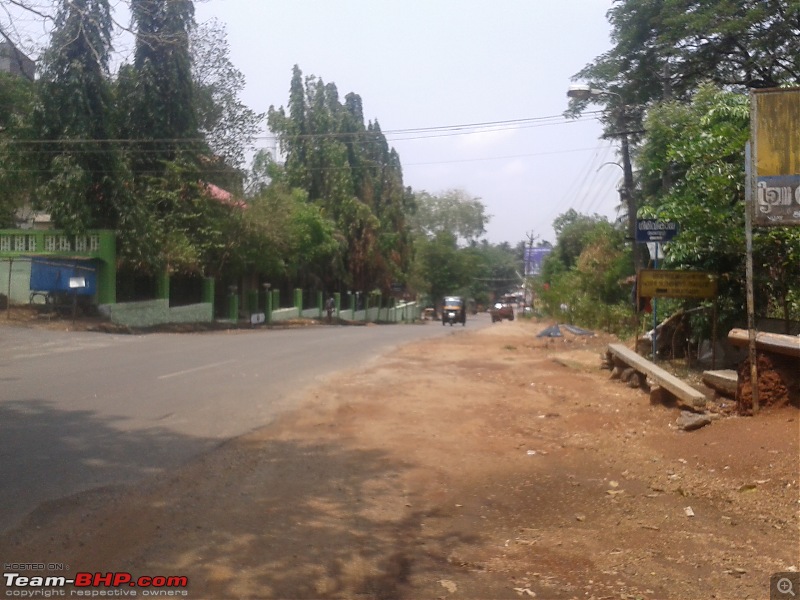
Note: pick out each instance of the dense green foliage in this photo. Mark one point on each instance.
(665, 49)
(78, 167)
(449, 260)
(495, 270)
(291, 240)
(586, 278)
(16, 145)
(161, 106)
(347, 169)
(679, 72)
(701, 146)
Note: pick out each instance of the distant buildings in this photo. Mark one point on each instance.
(15, 62)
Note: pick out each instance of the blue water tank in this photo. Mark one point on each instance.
(54, 275)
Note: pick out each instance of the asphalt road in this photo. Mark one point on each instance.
(82, 410)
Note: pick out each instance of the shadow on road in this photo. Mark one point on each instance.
(266, 518)
(48, 454)
(258, 517)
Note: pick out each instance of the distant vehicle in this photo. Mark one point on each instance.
(500, 311)
(454, 310)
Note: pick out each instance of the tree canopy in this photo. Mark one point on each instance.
(223, 120)
(17, 141)
(347, 168)
(453, 210)
(665, 49)
(79, 168)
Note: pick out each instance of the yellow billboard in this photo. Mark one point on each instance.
(661, 283)
(775, 136)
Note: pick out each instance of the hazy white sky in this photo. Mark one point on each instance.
(434, 63)
(424, 64)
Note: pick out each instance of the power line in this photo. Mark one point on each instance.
(506, 157)
(589, 186)
(348, 167)
(436, 131)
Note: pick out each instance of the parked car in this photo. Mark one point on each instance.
(500, 311)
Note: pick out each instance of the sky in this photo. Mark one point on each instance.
(449, 68)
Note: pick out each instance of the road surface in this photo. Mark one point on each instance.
(82, 410)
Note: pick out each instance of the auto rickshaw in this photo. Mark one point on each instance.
(454, 310)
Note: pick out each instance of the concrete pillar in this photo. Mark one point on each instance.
(208, 292)
(233, 303)
(252, 301)
(162, 285)
(298, 300)
(107, 268)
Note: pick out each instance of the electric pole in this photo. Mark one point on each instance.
(529, 268)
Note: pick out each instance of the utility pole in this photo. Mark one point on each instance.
(528, 260)
(586, 92)
(531, 238)
(630, 201)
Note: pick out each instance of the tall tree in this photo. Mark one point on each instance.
(586, 272)
(446, 268)
(16, 166)
(81, 167)
(162, 117)
(453, 210)
(495, 270)
(348, 169)
(574, 232)
(290, 240)
(227, 124)
(666, 48)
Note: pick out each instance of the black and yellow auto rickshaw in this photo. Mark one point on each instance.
(454, 310)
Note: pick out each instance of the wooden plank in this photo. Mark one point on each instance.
(724, 381)
(788, 345)
(667, 380)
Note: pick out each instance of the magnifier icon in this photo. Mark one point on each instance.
(785, 586)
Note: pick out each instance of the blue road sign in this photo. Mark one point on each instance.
(653, 230)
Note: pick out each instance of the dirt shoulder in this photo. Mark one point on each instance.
(486, 464)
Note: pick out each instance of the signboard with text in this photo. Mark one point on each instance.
(774, 123)
(655, 283)
(778, 200)
(534, 257)
(653, 230)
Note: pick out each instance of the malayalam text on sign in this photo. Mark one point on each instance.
(655, 283)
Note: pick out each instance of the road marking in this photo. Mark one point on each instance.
(186, 371)
(50, 348)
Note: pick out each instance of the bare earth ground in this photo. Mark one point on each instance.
(488, 464)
